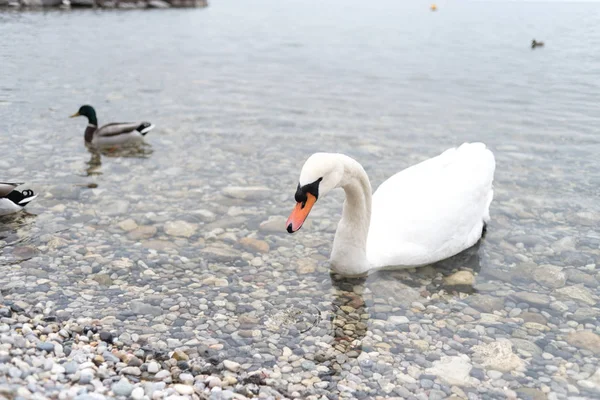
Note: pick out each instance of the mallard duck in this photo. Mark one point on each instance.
(535, 44)
(116, 133)
(421, 215)
(12, 200)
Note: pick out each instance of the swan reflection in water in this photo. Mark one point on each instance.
(142, 150)
(433, 277)
(374, 303)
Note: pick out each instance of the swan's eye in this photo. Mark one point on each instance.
(312, 188)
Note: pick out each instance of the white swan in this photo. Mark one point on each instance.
(423, 214)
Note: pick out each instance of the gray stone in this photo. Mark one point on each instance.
(180, 228)
(162, 374)
(71, 367)
(577, 276)
(14, 372)
(117, 207)
(142, 232)
(45, 346)
(535, 299)
(587, 340)
(122, 387)
(131, 371)
(498, 356)
(592, 383)
(453, 370)
(550, 276)
(577, 293)
(485, 303)
(144, 309)
(221, 253)
(515, 312)
(275, 224)
(108, 356)
(398, 319)
(526, 345)
(426, 383)
(247, 193)
(90, 396)
(586, 314)
(158, 4)
(531, 394)
(86, 376)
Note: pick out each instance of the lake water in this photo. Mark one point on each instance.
(241, 93)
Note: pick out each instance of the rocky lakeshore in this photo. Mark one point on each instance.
(43, 357)
(101, 4)
(112, 290)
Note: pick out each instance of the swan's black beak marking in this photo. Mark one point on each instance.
(306, 197)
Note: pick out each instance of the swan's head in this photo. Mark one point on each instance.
(321, 173)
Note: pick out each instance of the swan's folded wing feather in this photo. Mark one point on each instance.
(432, 210)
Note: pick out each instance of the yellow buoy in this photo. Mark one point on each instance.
(433, 7)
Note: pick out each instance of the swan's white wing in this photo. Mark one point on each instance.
(432, 210)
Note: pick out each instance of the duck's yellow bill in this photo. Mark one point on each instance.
(301, 211)
(75, 115)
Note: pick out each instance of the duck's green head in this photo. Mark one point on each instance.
(87, 111)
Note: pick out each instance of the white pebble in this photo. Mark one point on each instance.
(153, 367)
(231, 365)
(138, 393)
(184, 389)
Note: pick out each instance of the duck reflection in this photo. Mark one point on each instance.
(15, 229)
(94, 164)
(142, 150)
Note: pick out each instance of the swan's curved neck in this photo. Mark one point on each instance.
(349, 254)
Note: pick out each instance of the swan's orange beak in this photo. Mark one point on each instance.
(298, 216)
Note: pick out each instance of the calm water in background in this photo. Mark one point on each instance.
(242, 92)
(302, 69)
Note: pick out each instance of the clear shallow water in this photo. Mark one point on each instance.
(241, 94)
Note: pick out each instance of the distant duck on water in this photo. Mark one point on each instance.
(113, 134)
(11, 200)
(535, 44)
